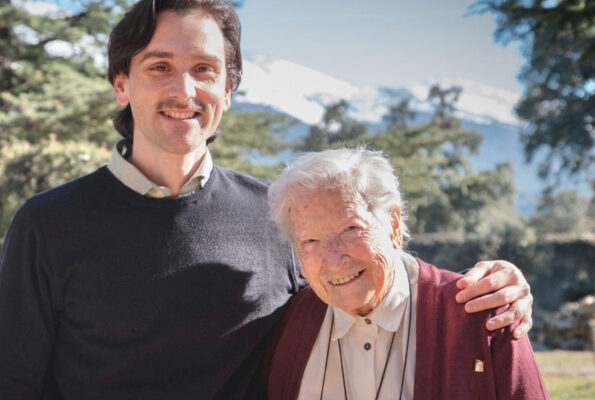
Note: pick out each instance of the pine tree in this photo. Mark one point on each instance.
(336, 129)
(558, 42)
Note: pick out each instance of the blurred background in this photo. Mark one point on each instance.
(486, 110)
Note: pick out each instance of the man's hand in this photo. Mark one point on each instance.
(491, 284)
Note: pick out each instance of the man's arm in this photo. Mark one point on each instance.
(491, 284)
(26, 316)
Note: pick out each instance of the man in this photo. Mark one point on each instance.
(375, 322)
(160, 275)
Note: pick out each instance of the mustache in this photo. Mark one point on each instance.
(190, 105)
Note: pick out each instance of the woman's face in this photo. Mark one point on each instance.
(346, 254)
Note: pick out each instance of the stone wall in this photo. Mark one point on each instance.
(572, 327)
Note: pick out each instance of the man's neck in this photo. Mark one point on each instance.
(167, 169)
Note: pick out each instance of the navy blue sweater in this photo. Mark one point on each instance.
(105, 293)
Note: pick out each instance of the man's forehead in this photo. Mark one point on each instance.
(192, 33)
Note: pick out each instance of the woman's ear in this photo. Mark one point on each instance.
(396, 233)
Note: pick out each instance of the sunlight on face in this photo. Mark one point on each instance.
(177, 86)
(346, 254)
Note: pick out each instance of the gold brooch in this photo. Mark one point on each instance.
(479, 364)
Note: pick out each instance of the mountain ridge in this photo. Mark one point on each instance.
(301, 93)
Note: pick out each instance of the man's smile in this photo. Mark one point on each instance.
(181, 114)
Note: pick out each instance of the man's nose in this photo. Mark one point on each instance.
(184, 86)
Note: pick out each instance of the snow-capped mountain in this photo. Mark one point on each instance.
(302, 92)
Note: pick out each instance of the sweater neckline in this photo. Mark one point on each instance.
(122, 191)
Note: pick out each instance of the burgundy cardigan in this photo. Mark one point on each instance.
(448, 342)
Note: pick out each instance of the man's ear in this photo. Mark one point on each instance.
(121, 87)
(396, 233)
(228, 90)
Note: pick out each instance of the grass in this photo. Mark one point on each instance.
(568, 374)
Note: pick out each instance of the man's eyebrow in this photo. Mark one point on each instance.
(167, 54)
(155, 54)
(214, 59)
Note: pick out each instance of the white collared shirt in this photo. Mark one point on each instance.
(133, 178)
(365, 342)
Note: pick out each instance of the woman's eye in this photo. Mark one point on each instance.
(306, 246)
(351, 228)
(350, 232)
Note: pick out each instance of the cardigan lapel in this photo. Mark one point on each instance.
(305, 314)
(427, 338)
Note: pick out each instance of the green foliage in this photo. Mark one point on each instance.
(85, 31)
(247, 136)
(566, 212)
(445, 101)
(558, 39)
(435, 175)
(43, 93)
(27, 169)
(336, 129)
(500, 233)
(59, 100)
(398, 114)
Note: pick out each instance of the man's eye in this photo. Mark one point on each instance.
(205, 68)
(159, 68)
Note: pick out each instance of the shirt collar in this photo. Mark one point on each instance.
(133, 178)
(388, 314)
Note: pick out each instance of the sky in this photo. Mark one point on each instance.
(382, 42)
(379, 42)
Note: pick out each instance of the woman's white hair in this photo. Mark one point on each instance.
(363, 173)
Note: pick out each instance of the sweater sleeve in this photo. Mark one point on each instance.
(26, 313)
(516, 375)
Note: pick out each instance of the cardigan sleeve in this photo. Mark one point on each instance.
(450, 342)
(26, 312)
(516, 375)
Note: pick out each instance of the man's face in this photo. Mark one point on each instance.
(346, 255)
(177, 86)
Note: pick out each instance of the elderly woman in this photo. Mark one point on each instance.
(375, 322)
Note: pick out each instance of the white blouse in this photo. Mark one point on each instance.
(365, 342)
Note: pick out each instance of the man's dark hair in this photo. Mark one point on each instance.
(134, 32)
